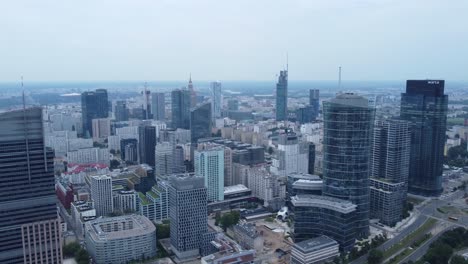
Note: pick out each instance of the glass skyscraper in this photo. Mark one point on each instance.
(216, 100)
(200, 122)
(348, 122)
(314, 101)
(180, 101)
(147, 144)
(93, 105)
(158, 106)
(424, 106)
(29, 225)
(282, 96)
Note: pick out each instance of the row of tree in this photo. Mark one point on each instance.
(74, 250)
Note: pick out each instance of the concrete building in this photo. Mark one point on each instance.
(348, 122)
(209, 164)
(158, 106)
(101, 129)
(270, 188)
(247, 236)
(317, 250)
(89, 155)
(389, 170)
(321, 215)
(29, 225)
(121, 239)
(101, 194)
(292, 156)
(188, 214)
(125, 201)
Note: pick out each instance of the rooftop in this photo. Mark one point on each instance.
(327, 202)
(235, 189)
(315, 244)
(119, 227)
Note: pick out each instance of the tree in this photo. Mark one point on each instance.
(229, 219)
(71, 249)
(457, 259)
(375, 256)
(163, 231)
(112, 151)
(114, 164)
(439, 254)
(82, 257)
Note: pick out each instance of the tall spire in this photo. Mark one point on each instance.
(24, 98)
(190, 78)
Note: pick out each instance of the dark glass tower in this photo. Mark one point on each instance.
(200, 122)
(180, 108)
(314, 101)
(348, 122)
(121, 111)
(147, 144)
(282, 96)
(93, 105)
(29, 226)
(424, 105)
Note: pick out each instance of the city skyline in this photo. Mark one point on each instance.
(167, 40)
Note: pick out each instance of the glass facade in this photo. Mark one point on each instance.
(27, 189)
(314, 101)
(147, 141)
(180, 102)
(282, 97)
(93, 105)
(200, 122)
(424, 105)
(348, 122)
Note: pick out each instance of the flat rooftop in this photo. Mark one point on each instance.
(314, 244)
(331, 203)
(119, 227)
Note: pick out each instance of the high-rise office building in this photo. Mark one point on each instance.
(348, 122)
(314, 101)
(93, 105)
(389, 170)
(305, 114)
(209, 164)
(101, 128)
(216, 100)
(282, 96)
(188, 214)
(101, 194)
(292, 156)
(121, 112)
(29, 225)
(180, 104)
(123, 144)
(164, 159)
(193, 94)
(425, 105)
(158, 106)
(200, 122)
(147, 144)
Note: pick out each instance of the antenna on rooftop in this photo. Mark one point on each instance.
(339, 78)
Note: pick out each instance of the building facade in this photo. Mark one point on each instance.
(158, 106)
(93, 105)
(317, 250)
(425, 105)
(27, 193)
(348, 122)
(188, 214)
(180, 104)
(209, 164)
(314, 101)
(200, 122)
(282, 96)
(216, 100)
(120, 239)
(101, 194)
(147, 144)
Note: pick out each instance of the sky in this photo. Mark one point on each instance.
(115, 40)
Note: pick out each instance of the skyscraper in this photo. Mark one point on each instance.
(164, 159)
(93, 105)
(282, 96)
(314, 101)
(101, 194)
(188, 214)
(209, 164)
(216, 100)
(193, 94)
(147, 144)
(121, 111)
(389, 170)
(158, 106)
(180, 104)
(292, 156)
(348, 121)
(424, 105)
(29, 225)
(200, 122)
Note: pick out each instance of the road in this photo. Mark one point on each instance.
(420, 251)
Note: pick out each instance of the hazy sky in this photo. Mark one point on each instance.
(233, 39)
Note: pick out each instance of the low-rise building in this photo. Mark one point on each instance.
(247, 236)
(317, 250)
(120, 239)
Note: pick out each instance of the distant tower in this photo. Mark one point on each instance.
(158, 106)
(200, 122)
(180, 103)
(193, 94)
(282, 96)
(209, 164)
(348, 122)
(146, 102)
(314, 101)
(93, 105)
(216, 100)
(147, 144)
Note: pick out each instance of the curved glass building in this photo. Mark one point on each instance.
(348, 123)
